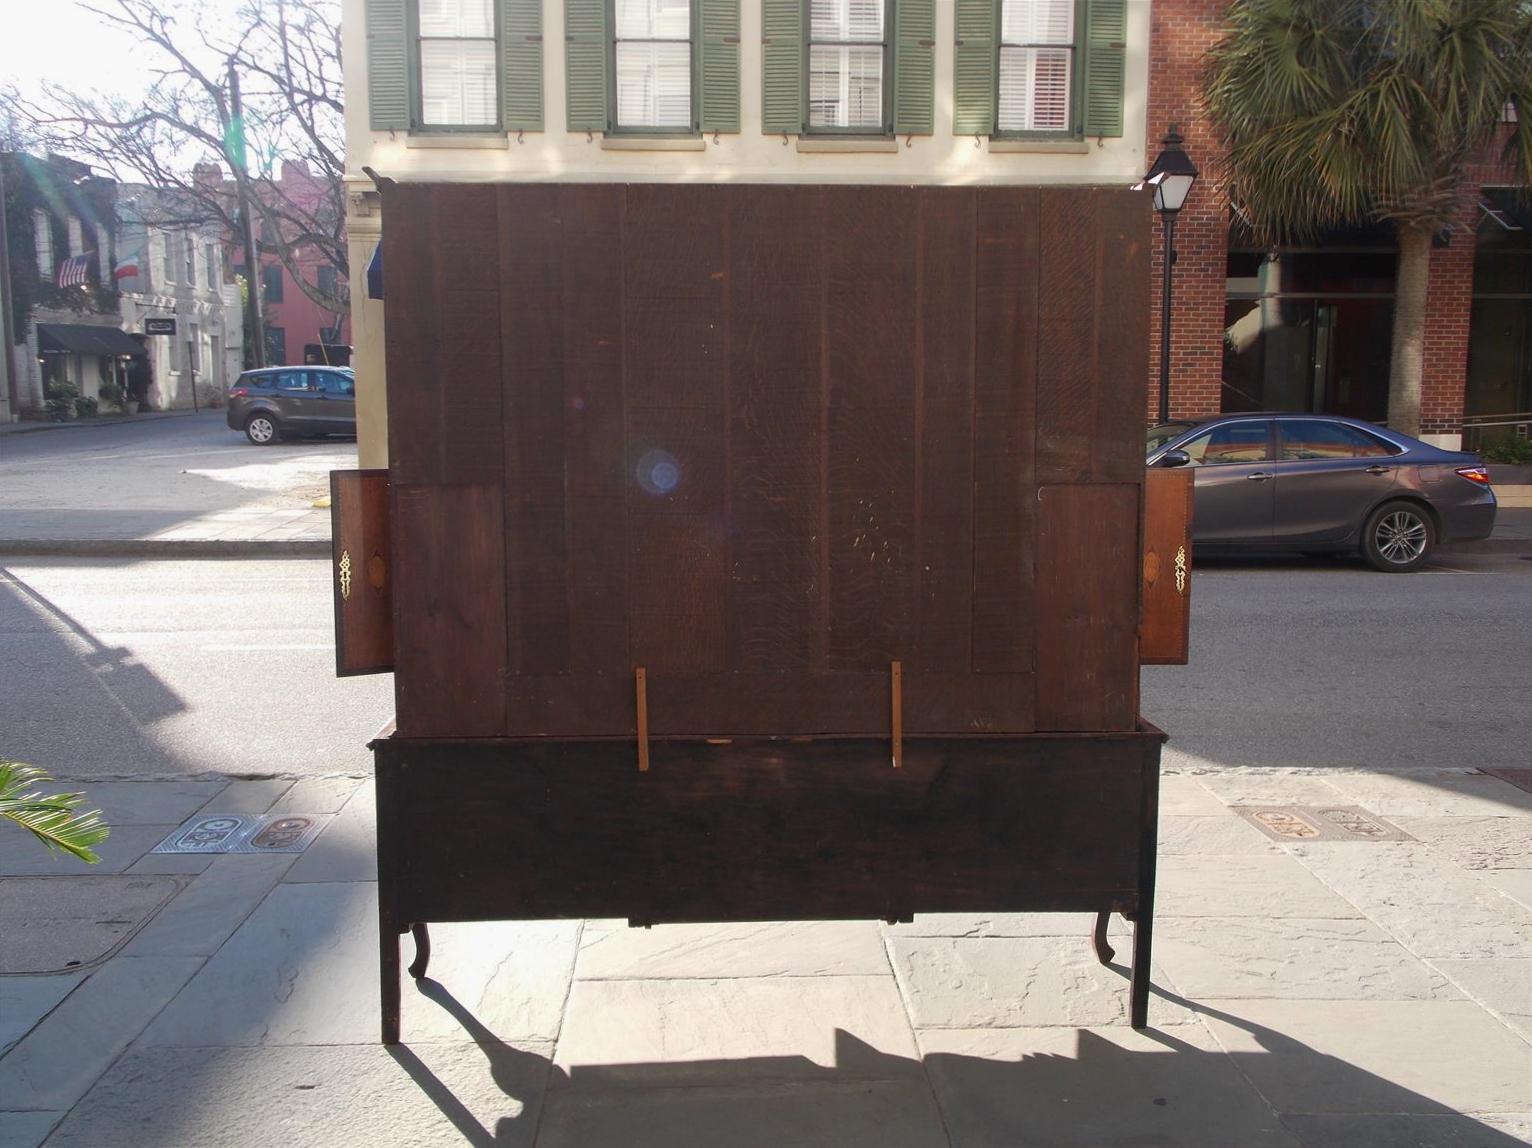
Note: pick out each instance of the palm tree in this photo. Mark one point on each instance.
(51, 816)
(1340, 112)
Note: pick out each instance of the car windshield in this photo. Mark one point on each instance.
(1162, 434)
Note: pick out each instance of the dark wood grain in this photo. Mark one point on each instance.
(449, 610)
(774, 281)
(1068, 370)
(1122, 299)
(763, 830)
(944, 438)
(1004, 425)
(1165, 629)
(412, 339)
(1087, 607)
(360, 561)
(870, 273)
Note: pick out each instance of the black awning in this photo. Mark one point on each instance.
(80, 339)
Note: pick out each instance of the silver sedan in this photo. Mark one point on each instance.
(1323, 483)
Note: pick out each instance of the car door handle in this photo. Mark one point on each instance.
(1258, 476)
(1377, 470)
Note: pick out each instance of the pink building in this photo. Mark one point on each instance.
(299, 329)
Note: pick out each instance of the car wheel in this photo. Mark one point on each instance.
(261, 429)
(1398, 537)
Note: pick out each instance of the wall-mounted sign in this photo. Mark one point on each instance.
(159, 326)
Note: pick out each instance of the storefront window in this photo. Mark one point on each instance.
(1500, 329)
(1309, 330)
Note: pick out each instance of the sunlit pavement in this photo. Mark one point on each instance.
(1309, 992)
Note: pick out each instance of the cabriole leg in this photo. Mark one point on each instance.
(422, 949)
(1104, 951)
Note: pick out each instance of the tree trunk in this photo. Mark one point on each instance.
(1407, 362)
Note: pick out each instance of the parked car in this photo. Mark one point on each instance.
(1323, 483)
(280, 402)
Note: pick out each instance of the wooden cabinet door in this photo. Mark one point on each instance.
(1164, 627)
(361, 572)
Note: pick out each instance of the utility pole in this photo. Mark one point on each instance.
(255, 327)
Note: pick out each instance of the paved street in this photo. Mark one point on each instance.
(175, 669)
(164, 669)
(185, 476)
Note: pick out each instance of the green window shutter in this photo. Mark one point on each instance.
(914, 66)
(1106, 35)
(388, 66)
(782, 66)
(973, 67)
(521, 65)
(719, 66)
(585, 49)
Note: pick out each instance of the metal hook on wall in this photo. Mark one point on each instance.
(521, 137)
(590, 136)
(909, 141)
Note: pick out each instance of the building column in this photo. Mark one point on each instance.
(1449, 309)
(364, 229)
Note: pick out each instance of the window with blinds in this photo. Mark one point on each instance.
(847, 52)
(1037, 65)
(652, 59)
(458, 83)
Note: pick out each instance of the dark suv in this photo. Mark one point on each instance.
(277, 402)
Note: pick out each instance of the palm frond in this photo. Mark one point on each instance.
(54, 818)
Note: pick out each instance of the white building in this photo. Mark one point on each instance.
(169, 269)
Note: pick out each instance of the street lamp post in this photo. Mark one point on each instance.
(1171, 176)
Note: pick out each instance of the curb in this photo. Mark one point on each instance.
(107, 421)
(165, 548)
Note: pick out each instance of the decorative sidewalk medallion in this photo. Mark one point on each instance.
(1320, 823)
(246, 833)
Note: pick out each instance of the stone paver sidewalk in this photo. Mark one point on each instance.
(1313, 995)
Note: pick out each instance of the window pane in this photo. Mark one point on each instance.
(1319, 439)
(1034, 89)
(1037, 22)
(845, 87)
(654, 19)
(457, 82)
(654, 85)
(457, 18)
(846, 20)
(1237, 442)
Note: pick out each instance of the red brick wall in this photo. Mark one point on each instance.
(1180, 32)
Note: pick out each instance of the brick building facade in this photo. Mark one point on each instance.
(1181, 33)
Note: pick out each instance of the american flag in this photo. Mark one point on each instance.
(73, 271)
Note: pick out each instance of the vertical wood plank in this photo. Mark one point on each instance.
(411, 332)
(775, 276)
(870, 238)
(945, 445)
(1087, 607)
(449, 611)
(467, 364)
(675, 372)
(1122, 334)
(1005, 399)
(595, 474)
(532, 250)
(1067, 368)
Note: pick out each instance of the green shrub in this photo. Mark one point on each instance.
(1515, 451)
(86, 408)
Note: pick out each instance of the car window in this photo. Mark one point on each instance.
(1308, 439)
(292, 380)
(1232, 442)
(332, 383)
